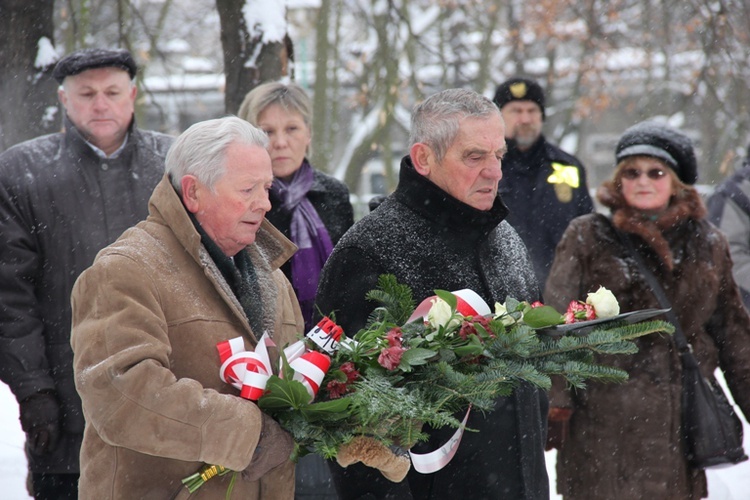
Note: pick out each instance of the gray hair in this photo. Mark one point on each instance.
(201, 149)
(289, 96)
(436, 120)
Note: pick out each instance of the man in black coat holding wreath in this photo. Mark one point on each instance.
(444, 228)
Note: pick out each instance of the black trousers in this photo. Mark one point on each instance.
(54, 486)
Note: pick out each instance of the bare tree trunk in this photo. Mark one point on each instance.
(248, 62)
(321, 146)
(29, 100)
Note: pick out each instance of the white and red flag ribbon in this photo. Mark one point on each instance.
(427, 463)
(326, 335)
(247, 371)
(468, 303)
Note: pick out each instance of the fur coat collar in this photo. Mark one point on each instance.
(685, 205)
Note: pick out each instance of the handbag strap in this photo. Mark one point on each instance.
(683, 348)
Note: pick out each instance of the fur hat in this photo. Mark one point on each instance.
(519, 89)
(82, 60)
(653, 139)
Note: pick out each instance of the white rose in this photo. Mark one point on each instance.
(502, 312)
(440, 314)
(604, 303)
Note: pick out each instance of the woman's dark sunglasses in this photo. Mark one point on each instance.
(632, 174)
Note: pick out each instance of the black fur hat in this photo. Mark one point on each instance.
(82, 60)
(663, 142)
(519, 89)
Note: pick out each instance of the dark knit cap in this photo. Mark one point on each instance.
(519, 89)
(667, 144)
(82, 60)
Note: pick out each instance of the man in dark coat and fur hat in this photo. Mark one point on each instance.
(444, 228)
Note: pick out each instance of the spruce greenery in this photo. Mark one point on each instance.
(437, 380)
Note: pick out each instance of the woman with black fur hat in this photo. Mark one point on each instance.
(625, 441)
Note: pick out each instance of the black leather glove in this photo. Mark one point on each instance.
(40, 420)
(274, 448)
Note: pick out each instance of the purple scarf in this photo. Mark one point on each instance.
(308, 233)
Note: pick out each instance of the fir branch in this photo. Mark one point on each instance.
(396, 299)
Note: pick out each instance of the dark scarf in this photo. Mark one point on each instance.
(308, 233)
(433, 204)
(241, 277)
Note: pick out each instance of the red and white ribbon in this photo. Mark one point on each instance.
(326, 335)
(309, 369)
(427, 463)
(247, 371)
(468, 303)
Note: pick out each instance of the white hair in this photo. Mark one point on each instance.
(201, 149)
(436, 120)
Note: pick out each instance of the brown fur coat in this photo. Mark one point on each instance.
(625, 440)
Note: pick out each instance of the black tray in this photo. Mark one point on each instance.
(584, 327)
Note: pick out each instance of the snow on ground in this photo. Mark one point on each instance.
(732, 483)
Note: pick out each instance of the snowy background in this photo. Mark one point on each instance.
(732, 483)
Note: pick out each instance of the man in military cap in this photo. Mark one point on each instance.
(64, 197)
(543, 186)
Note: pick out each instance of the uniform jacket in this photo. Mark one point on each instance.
(625, 440)
(146, 320)
(729, 210)
(540, 210)
(60, 204)
(429, 240)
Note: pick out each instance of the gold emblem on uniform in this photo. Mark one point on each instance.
(564, 179)
(564, 193)
(518, 90)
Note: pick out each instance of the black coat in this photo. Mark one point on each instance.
(429, 240)
(539, 210)
(60, 204)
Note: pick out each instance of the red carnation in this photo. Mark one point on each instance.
(467, 328)
(394, 337)
(390, 357)
(336, 389)
(350, 371)
(579, 311)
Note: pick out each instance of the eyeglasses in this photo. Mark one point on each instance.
(654, 174)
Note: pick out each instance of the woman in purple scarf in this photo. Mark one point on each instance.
(311, 208)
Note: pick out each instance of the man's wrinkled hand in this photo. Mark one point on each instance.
(40, 420)
(274, 448)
